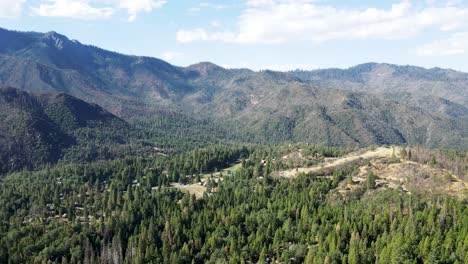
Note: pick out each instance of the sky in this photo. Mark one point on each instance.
(259, 34)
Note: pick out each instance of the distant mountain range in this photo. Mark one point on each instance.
(363, 105)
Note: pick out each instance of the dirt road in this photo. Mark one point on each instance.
(377, 153)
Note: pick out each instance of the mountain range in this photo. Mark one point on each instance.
(372, 103)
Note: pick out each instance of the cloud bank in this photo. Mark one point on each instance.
(11, 8)
(95, 9)
(280, 21)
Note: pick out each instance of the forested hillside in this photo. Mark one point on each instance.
(36, 130)
(128, 211)
(40, 129)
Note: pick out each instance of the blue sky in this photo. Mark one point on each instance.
(259, 34)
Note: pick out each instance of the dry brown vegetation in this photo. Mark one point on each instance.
(455, 161)
(411, 170)
(194, 188)
(335, 162)
(408, 176)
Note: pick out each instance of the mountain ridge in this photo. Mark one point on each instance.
(366, 104)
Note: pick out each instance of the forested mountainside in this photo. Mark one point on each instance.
(364, 105)
(40, 129)
(234, 205)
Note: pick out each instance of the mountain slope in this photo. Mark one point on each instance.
(40, 129)
(51, 62)
(27, 136)
(275, 107)
(363, 105)
(389, 79)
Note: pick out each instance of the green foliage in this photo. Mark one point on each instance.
(370, 180)
(124, 212)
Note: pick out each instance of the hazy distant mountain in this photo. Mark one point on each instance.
(39, 129)
(394, 80)
(366, 104)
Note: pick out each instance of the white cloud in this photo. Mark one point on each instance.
(136, 6)
(444, 2)
(203, 5)
(11, 8)
(72, 8)
(95, 9)
(278, 21)
(454, 45)
(171, 55)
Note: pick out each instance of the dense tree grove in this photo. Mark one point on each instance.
(125, 211)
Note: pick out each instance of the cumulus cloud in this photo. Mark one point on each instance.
(136, 6)
(444, 2)
(279, 21)
(204, 5)
(95, 9)
(11, 8)
(454, 45)
(72, 9)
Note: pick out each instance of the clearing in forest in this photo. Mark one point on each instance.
(199, 188)
(196, 189)
(381, 152)
(391, 172)
(233, 168)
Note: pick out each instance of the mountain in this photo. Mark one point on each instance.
(389, 79)
(51, 62)
(40, 129)
(364, 105)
